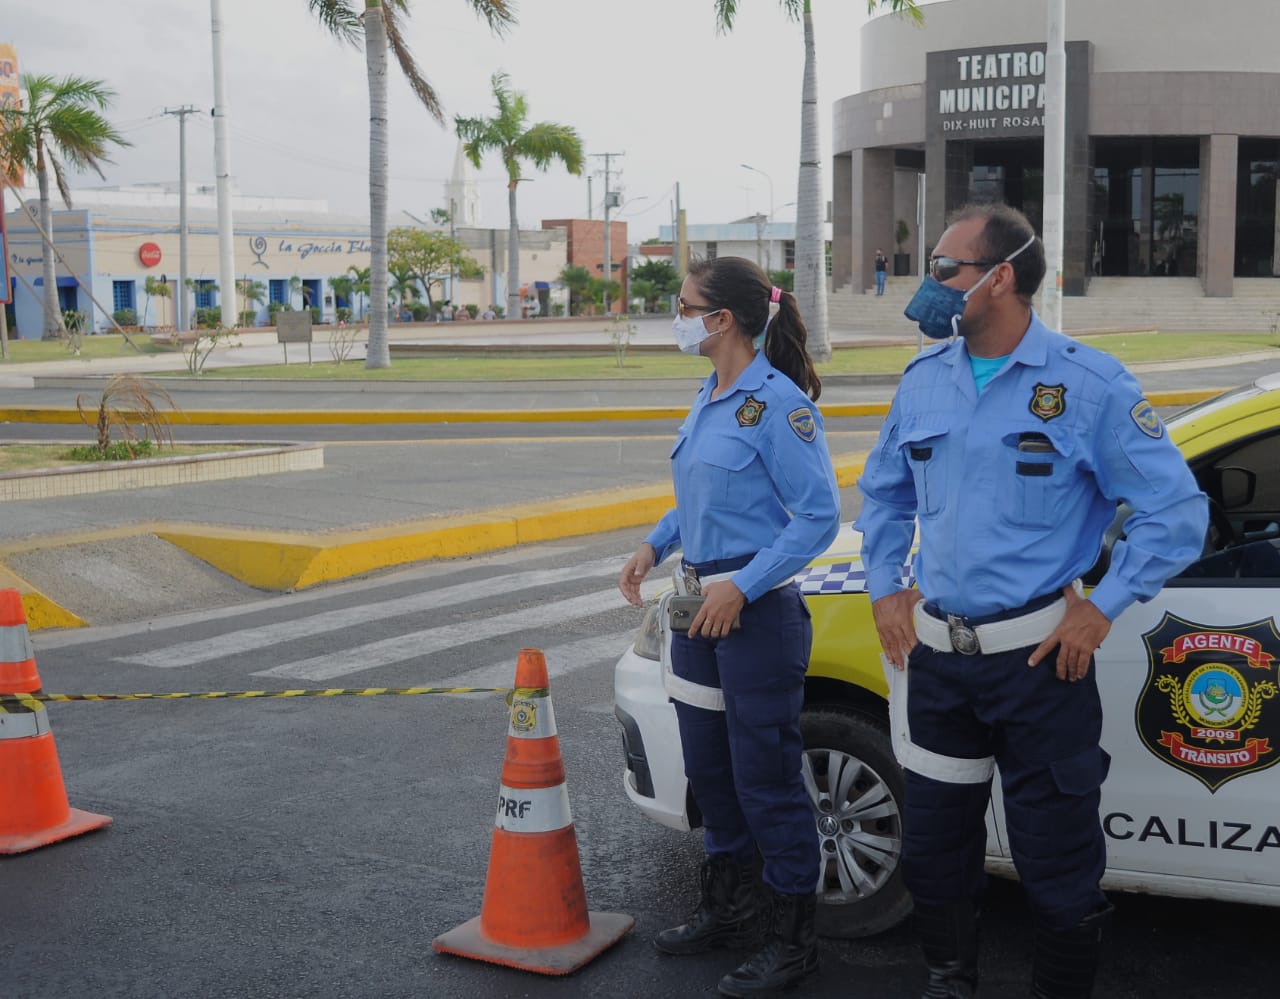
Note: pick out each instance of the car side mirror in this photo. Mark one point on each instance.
(1235, 486)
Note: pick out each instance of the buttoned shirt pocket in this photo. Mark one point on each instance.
(718, 469)
(1036, 462)
(925, 447)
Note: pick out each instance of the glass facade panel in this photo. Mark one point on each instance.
(1258, 172)
(1146, 207)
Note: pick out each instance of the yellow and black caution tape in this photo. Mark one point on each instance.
(29, 702)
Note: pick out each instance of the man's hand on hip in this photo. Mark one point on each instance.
(1077, 637)
(895, 624)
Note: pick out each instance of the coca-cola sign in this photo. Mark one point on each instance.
(149, 254)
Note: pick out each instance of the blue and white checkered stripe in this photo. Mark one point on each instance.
(844, 577)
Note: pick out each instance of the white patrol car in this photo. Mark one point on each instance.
(1189, 683)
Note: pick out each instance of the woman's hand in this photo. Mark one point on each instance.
(723, 604)
(634, 571)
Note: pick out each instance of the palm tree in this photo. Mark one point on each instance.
(153, 287)
(59, 122)
(379, 25)
(811, 244)
(251, 293)
(343, 286)
(359, 285)
(515, 140)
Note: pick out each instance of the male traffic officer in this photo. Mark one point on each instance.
(1011, 445)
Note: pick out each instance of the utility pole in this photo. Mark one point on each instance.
(682, 242)
(590, 207)
(610, 201)
(1055, 140)
(181, 114)
(222, 175)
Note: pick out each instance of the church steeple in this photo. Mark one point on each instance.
(461, 194)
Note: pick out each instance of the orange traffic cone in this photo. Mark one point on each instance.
(33, 801)
(534, 914)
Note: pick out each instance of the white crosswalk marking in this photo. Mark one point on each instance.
(235, 643)
(431, 640)
(561, 661)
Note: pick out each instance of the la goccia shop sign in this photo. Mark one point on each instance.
(987, 93)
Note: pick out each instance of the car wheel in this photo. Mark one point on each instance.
(856, 789)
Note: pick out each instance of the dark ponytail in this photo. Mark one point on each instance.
(784, 346)
(739, 285)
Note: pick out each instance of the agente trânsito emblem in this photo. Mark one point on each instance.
(1208, 707)
(1048, 401)
(749, 412)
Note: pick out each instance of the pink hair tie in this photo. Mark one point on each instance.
(775, 294)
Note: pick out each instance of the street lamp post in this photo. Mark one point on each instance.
(768, 253)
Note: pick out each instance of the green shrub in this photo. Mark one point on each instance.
(420, 311)
(208, 317)
(248, 317)
(115, 451)
(344, 314)
(125, 317)
(315, 314)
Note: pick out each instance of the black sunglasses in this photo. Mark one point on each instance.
(945, 268)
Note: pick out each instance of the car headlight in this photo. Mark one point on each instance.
(649, 636)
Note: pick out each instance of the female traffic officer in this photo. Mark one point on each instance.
(756, 499)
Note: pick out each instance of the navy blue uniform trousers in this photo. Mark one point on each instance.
(1044, 734)
(743, 763)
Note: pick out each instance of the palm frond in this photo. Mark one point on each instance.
(726, 12)
(499, 14)
(546, 142)
(339, 18)
(908, 9)
(400, 48)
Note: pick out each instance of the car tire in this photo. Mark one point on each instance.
(848, 755)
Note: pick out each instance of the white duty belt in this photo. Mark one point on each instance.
(953, 635)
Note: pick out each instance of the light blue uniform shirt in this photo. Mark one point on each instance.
(752, 475)
(1014, 488)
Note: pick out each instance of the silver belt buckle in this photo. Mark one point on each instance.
(692, 584)
(963, 638)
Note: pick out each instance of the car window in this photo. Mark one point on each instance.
(1243, 486)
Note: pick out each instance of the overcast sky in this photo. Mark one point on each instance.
(648, 78)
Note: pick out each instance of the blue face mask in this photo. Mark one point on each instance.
(936, 308)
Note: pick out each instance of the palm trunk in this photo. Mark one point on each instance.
(513, 256)
(54, 329)
(811, 249)
(378, 354)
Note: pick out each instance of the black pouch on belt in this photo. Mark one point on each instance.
(681, 610)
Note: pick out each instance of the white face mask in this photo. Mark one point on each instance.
(690, 331)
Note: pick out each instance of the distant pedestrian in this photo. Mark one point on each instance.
(446, 311)
(488, 315)
(882, 266)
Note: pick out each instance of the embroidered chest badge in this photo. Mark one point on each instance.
(749, 412)
(1145, 417)
(803, 423)
(1048, 401)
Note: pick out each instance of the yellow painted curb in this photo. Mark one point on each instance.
(40, 610)
(294, 417)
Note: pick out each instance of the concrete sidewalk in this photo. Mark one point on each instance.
(382, 503)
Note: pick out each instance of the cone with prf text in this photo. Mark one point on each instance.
(33, 801)
(534, 914)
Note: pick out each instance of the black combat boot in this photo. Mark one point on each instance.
(726, 916)
(949, 939)
(1066, 961)
(790, 952)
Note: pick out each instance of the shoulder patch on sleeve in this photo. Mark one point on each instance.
(803, 423)
(1146, 419)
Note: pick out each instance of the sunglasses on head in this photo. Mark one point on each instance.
(684, 309)
(945, 268)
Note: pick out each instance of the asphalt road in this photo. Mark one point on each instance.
(314, 847)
